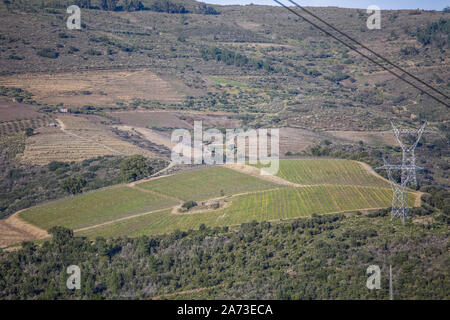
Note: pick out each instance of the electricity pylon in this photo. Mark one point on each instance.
(408, 152)
(399, 199)
(408, 170)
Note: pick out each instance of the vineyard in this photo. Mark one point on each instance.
(96, 207)
(206, 184)
(328, 171)
(148, 207)
(271, 205)
(81, 139)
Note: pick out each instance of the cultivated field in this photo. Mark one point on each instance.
(176, 119)
(94, 88)
(96, 207)
(272, 205)
(16, 117)
(149, 207)
(206, 184)
(76, 139)
(328, 171)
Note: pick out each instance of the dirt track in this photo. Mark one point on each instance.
(14, 230)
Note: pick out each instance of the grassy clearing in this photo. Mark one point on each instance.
(283, 203)
(206, 183)
(95, 208)
(327, 171)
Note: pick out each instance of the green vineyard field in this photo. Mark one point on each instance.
(328, 171)
(148, 207)
(206, 183)
(271, 205)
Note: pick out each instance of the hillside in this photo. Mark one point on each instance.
(322, 257)
(86, 171)
(223, 196)
(298, 68)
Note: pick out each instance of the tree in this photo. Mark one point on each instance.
(61, 235)
(73, 185)
(29, 132)
(189, 205)
(135, 168)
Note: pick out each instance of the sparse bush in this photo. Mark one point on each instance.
(48, 53)
(188, 205)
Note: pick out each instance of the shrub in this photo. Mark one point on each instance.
(189, 205)
(134, 168)
(93, 52)
(48, 53)
(73, 185)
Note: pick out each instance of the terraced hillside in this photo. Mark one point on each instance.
(151, 207)
(76, 139)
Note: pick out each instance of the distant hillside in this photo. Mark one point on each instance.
(168, 6)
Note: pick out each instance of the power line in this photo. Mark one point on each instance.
(362, 54)
(370, 50)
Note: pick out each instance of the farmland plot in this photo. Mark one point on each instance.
(99, 87)
(206, 183)
(80, 140)
(269, 205)
(96, 207)
(328, 171)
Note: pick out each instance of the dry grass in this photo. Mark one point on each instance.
(99, 88)
(80, 140)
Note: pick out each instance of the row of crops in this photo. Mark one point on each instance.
(16, 126)
(327, 171)
(268, 205)
(206, 183)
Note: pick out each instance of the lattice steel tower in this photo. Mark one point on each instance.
(400, 206)
(408, 170)
(408, 152)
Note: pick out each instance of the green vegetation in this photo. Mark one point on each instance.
(234, 58)
(73, 185)
(436, 34)
(328, 171)
(323, 257)
(48, 53)
(272, 205)
(188, 205)
(96, 207)
(135, 168)
(205, 184)
(246, 198)
(25, 186)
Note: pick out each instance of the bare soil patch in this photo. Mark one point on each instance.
(158, 137)
(176, 119)
(368, 137)
(14, 230)
(99, 88)
(10, 111)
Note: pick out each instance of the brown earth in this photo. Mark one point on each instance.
(10, 111)
(176, 119)
(98, 88)
(14, 230)
(76, 139)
